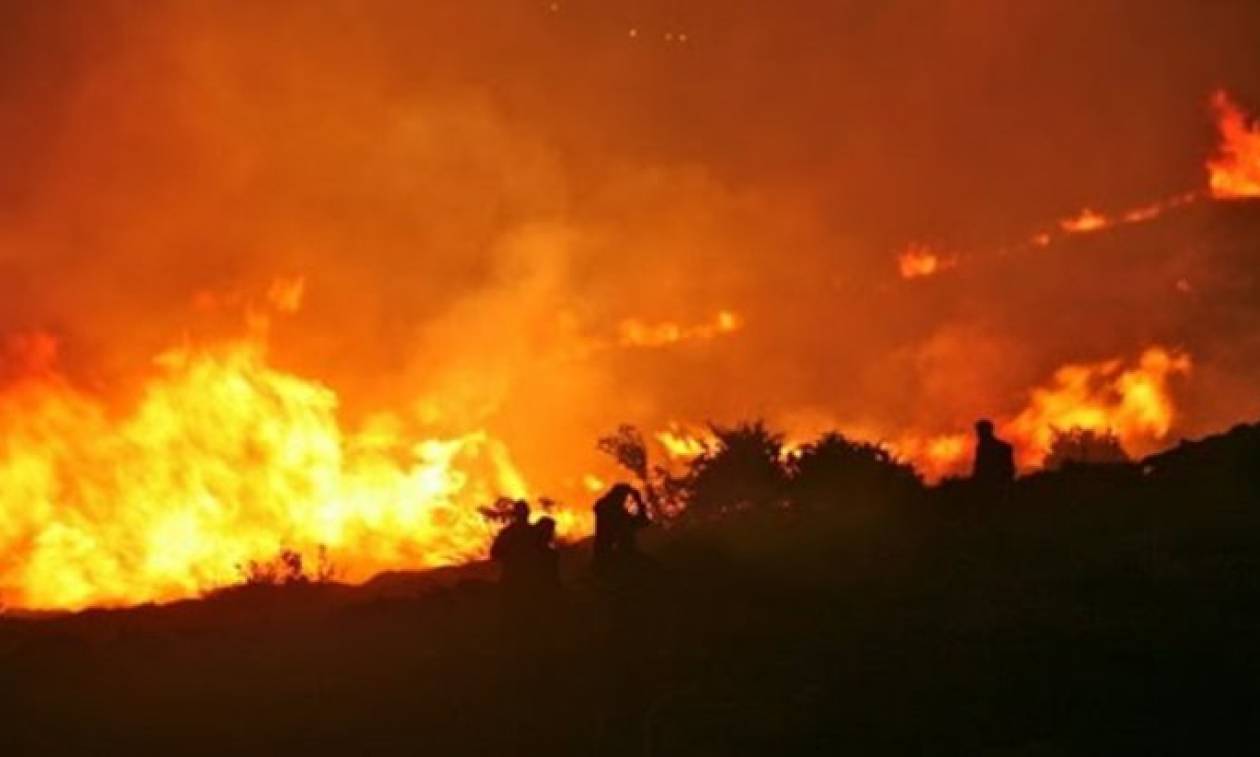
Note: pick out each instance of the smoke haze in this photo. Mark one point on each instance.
(541, 219)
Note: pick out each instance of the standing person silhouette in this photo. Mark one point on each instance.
(514, 547)
(615, 528)
(994, 468)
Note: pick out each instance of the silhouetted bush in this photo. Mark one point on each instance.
(834, 469)
(1084, 446)
(287, 569)
(744, 469)
(500, 512)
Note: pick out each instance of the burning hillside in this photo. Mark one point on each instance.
(222, 461)
(332, 290)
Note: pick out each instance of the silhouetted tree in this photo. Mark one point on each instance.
(627, 447)
(662, 492)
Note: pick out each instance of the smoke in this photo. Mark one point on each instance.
(479, 197)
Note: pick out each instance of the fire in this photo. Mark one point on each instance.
(935, 457)
(1143, 214)
(223, 460)
(1088, 220)
(920, 260)
(1235, 171)
(636, 333)
(684, 443)
(1135, 403)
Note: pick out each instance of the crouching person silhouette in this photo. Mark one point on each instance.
(526, 554)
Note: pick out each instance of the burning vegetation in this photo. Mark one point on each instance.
(477, 281)
(1234, 172)
(224, 461)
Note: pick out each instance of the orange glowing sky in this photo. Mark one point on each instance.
(336, 272)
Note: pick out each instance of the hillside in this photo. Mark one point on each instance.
(1103, 610)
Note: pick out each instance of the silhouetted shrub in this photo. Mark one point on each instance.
(744, 469)
(286, 569)
(1084, 446)
(834, 469)
(499, 512)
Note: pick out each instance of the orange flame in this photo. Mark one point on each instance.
(684, 443)
(1088, 220)
(920, 260)
(1135, 404)
(223, 460)
(935, 457)
(636, 333)
(1235, 171)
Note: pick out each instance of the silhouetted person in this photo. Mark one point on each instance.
(995, 462)
(544, 561)
(514, 546)
(616, 528)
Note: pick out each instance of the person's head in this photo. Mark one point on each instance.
(520, 511)
(622, 492)
(984, 428)
(546, 529)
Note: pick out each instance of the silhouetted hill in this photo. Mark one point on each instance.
(1102, 610)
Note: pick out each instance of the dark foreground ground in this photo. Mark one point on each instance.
(1100, 612)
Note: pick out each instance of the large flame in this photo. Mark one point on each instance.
(1133, 402)
(224, 460)
(1235, 170)
(503, 255)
